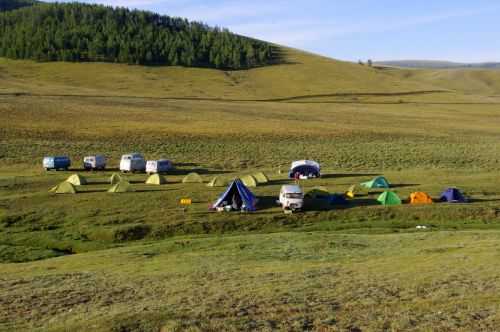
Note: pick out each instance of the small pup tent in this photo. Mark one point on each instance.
(115, 178)
(217, 182)
(352, 191)
(64, 188)
(260, 177)
(453, 195)
(307, 168)
(377, 183)
(249, 181)
(121, 187)
(389, 198)
(237, 197)
(318, 193)
(192, 178)
(156, 179)
(420, 198)
(77, 180)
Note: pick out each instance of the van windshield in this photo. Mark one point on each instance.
(294, 195)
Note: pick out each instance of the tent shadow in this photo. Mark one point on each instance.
(152, 189)
(201, 171)
(92, 191)
(364, 202)
(280, 182)
(482, 200)
(404, 185)
(346, 175)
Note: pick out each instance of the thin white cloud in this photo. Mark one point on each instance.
(301, 33)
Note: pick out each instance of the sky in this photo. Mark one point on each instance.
(454, 30)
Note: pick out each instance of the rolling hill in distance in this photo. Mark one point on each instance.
(227, 106)
(431, 64)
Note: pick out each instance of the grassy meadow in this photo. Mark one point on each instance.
(138, 262)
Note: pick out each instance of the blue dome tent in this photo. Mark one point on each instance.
(238, 197)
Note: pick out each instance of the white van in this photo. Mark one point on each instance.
(94, 162)
(291, 197)
(133, 162)
(158, 166)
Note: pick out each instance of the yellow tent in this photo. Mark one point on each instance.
(121, 187)
(77, 180)
(217, 182)
(64, 188)
(156, 179)
(192, 178)
(115, 178)
(260, 177)
(249, 181)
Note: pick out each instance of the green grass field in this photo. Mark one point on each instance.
(137, 262)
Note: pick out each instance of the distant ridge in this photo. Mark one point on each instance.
(431, 64)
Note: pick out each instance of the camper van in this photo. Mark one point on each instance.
(291, 198)
(158, 166)
(56, 163)
(133, 162)
(94, 162)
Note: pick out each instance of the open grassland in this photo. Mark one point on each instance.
(446, 281)
(137, 261)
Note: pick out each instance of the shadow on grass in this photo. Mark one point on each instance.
(347, 175)
(202, 171)
(404, 185)
(267, 202)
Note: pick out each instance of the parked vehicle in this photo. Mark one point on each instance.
(158, 166)
(305, 169)
(291, 198)
(94, 162)
(56, 163)
(133, 162)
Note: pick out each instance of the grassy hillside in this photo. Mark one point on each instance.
(444, 281)
(138, 262)
(302, 75)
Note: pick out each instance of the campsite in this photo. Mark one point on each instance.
(144, 196)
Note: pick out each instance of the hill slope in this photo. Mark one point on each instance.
(302, 75)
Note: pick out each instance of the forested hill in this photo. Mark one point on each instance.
(83, 32)
(14, 4)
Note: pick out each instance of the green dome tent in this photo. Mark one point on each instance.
(64, 188)
(217, 182)
(192, 178)
(389, 198)
(121, 187)
(77, 180)
(156, 179)
(249, 181)
(377, 183)
(115, 178)
(260, 177)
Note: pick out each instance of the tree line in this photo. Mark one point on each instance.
(83, 32)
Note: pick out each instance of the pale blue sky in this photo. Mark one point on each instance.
(456, 30)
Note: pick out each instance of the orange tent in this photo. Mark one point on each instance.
(420, 198)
